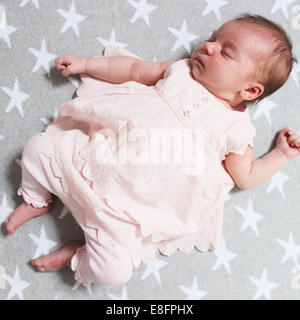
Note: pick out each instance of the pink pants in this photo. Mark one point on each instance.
(94, 262)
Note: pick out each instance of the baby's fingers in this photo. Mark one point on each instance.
(64, 60)
(60, 67)
(293, 139)
(295, 143)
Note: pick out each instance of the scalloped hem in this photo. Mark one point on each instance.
(238, 150)
(33, 202)
(75, 261)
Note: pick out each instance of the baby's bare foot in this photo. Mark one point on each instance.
(57, 259)
(23, 213)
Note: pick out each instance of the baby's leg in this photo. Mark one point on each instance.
(23, 213)
(96, 262)
(57, 259)
(93, 262)
(36, 185)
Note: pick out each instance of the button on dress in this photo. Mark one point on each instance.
(137, 204)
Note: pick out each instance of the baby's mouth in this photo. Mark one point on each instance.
(200, 62)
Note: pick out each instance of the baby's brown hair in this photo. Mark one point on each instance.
(273, 70)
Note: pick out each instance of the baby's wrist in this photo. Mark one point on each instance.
(281, 154)
(84, 65)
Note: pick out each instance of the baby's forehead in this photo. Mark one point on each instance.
(246, 34)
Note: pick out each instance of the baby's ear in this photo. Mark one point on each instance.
(253, 91)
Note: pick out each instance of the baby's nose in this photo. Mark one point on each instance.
(211, 48)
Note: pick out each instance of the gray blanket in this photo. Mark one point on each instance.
(259, 255)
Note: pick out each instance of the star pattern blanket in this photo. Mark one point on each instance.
(260, 250)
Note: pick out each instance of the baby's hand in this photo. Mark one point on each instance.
(289, 143)
(69, 64)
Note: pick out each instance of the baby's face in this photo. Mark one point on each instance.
(226, 63)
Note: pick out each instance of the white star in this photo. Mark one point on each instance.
(223, 257)
(73, 19)
(251, 217)
(5, 32)
(44, 244)
(292, 249)
(193, 293)
(77, 285)
(112, 41)
(17, 97)
(214, 5)
(183, 37)
(142, 10)
(277, 180)
(153, 267)
(43, 57)
(46, 121)
(75, 82)
(295, 70)
(35, 2)
(5, 210)
(282, 4)
(17, 285)
(1, 137)
(123, 296)
(264, 107)
(3, 22)
(264, 286)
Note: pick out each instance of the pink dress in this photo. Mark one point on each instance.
(145, 207)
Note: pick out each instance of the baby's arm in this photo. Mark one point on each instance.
(115, 69)
(248, 173)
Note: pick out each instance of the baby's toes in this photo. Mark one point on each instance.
(37, 262)
(41, 269)
(10, 229)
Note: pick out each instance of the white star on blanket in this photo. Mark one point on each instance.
(5, 32)
(43, 57)
(277, 180)
(17, 285)
(263, 108)
(193, 293)
(264, 286)
(44, 244)
(124, 295)
(292, 249)
(5, 210)
(17, 97)
(183, 37)
(282, 4)
(153, 267)
(251, 217)
(214, 5)
(112, 41)
(72, 19)
(223, 257)
(142, 10)
(35, 2)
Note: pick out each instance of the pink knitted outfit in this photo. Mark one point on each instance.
(128, 211)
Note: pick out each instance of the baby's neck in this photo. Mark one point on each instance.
(236, 107)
